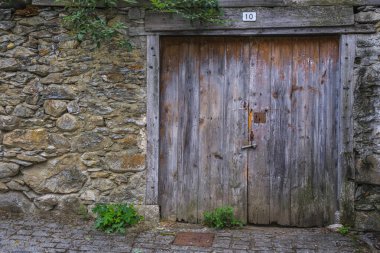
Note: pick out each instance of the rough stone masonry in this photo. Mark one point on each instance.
(72, 117)
(367, 123)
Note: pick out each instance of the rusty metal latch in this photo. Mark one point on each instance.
(252, 146)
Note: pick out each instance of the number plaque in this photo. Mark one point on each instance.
(249, 16)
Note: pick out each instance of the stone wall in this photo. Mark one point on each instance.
(367, 123)
(72, 117)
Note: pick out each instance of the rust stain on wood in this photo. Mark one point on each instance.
(260, 117)
(250, 119)
(204, 240)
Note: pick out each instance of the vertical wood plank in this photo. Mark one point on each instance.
(310, 116)
(236, 127)
(298, 194)
(212, 85)
(307, 107)
(259, 100)
(324, 120)
(216, 101)
(309, 197)
(188, 104)
(332, 51)
(346, 169)
(244, 79)
(204, 192)
(328, 129)
(281, 70)
(314, 171)
(153, 111)
(169, 114)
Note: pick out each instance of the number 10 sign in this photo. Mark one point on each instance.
(249, 16)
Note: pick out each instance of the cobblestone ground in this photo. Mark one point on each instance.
(32, 235)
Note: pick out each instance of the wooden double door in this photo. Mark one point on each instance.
(251, 123)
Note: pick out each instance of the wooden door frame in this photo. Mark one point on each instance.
(344, 118)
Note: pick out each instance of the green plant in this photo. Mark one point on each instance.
(115, 217)
(221, 217)
(206, 11)
(343, 230)
(83, 20)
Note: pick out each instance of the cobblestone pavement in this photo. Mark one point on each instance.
(32, 235)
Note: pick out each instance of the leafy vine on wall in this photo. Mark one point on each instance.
(84, 20)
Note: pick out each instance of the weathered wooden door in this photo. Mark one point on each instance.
(249, 122)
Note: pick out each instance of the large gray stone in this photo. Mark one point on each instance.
(89, 195)
(33, 87)
(67, 122)
(8, 123)
(7, 25)
(91, 159)
(55, 107)
(40, 70)
(131, 192)
(102, 184)
(368, 221)
(23, 111)
(8, 169)
(73, 107)
(15, 202)
(27, 139)
(69, 204)
(17, 186)
(3, 188)
(9, 65)
(125, 162)
(61, 175)
(33, 21)
(151, 213)
(87, 142)
(46, 202)
(53, 78)
(368, 170)
(59, 141)
(5, 14)
(16, 39)
(93, 122)
(58, 92)
(367, 17)
(31, 158)
(21, 52)
(70, 44)
(64, 204)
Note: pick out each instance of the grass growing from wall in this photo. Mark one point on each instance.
(85, 22)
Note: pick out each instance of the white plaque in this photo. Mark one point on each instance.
(249, 16)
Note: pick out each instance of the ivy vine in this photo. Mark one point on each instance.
(206, 11)
(84, 20)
